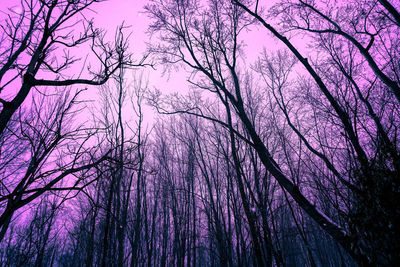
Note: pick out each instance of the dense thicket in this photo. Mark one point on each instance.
(292, 160)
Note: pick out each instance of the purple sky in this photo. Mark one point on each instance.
(109, 14)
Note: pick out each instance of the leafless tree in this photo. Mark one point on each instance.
(347, 45)
(54, 150)
(37, 41)
(33, 242)
(213, 56)
(289, 160)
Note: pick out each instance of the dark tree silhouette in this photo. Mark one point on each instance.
(32, 41)
(290, 160)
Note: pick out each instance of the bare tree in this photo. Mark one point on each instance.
(33, 36)
(260, 164)
(33, 242)
(55, 149)
(213, 56)
(352, 98)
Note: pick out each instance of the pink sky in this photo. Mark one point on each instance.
(110, 14)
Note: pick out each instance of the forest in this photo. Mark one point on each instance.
(290, 159)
